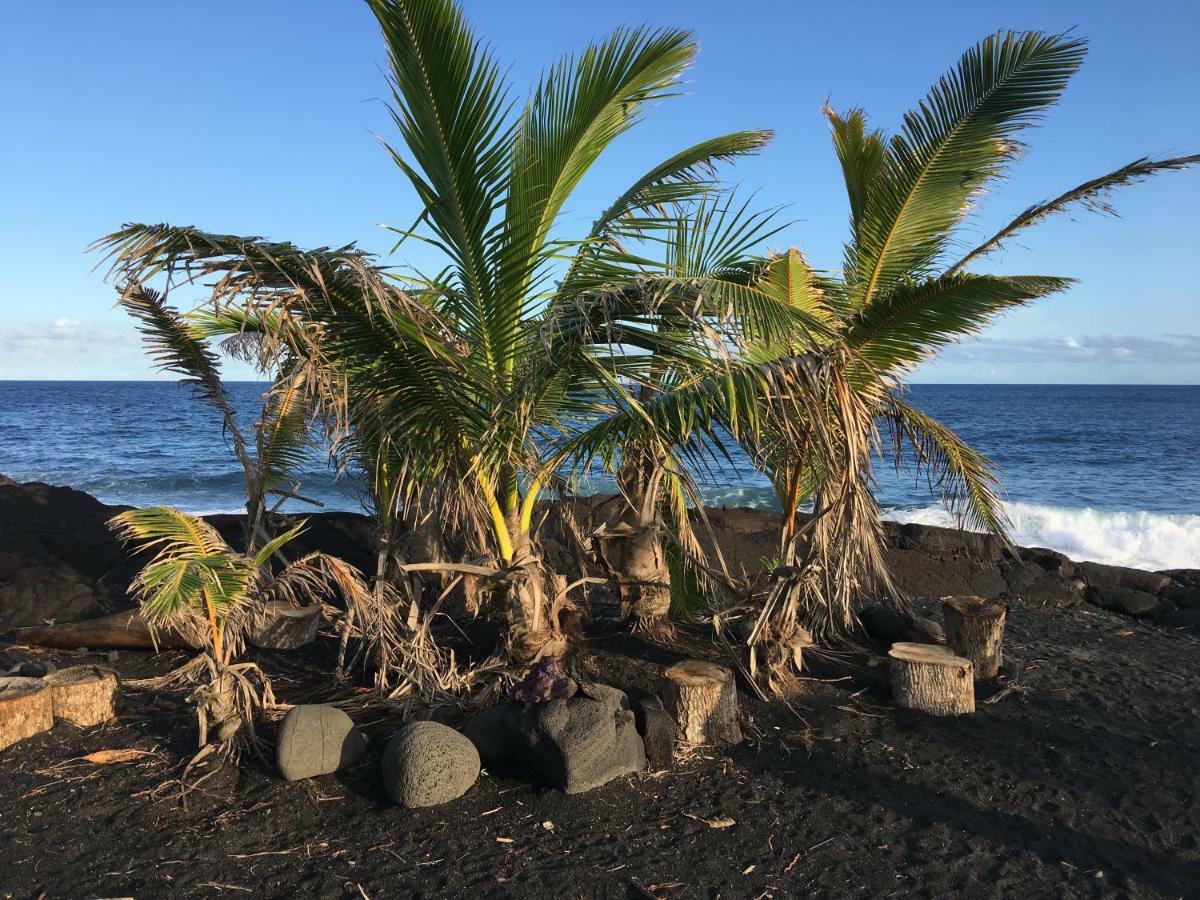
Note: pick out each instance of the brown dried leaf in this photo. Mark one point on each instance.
(104, 757)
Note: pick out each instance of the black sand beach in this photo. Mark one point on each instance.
(1076, 777)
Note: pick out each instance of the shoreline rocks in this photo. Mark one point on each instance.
(59, 561)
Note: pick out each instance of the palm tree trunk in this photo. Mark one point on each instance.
(633, 551)
(530, 599)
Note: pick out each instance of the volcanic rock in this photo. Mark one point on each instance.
(427, 764)
(317, 740)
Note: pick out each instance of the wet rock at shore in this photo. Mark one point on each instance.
(427, 764)
(1102, 576)
(317, 740)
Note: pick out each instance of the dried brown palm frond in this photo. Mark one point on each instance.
(836, 554)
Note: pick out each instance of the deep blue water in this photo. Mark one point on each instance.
(1101, 472)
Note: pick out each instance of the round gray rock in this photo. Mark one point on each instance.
(428, 763)
(317, 740)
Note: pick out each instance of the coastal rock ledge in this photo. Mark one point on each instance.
(60, 563)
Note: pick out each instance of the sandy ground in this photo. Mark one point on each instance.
(1082, 783)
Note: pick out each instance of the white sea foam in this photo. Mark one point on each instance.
(1141, 540)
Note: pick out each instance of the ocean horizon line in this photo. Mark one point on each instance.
(1137, 384)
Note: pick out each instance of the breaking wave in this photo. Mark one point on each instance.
(1141, 540)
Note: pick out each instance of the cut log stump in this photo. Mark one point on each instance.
(281, 626)
(975, 631)
(26, 709)
(702, 697)
(932, 679)
(84, 695)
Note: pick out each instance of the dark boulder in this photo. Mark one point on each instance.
(657, 728)
(1124, 600)
(317, 740)
(884, 624)
(582, 743)
(427, 764)
(1182, 595)
(1102, 576)
(491, 733)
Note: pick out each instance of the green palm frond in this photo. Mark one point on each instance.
(910, 323)
(685, 176)
(1092, 195)
(964, 477)
(579, 109)
(950, 147)
(450, 106)
(192, 566)
(862, 155)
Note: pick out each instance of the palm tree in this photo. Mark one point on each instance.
(452, 387)
(903, 293)
(197, 585)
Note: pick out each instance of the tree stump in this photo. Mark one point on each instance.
(975, 631)
(26, 709)
(702, 697)
(281, 626)
(932, 679)
(84, 695)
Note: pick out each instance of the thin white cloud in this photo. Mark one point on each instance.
(1156, 350)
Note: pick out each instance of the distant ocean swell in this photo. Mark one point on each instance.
(1099, 472)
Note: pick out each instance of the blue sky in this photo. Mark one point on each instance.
(258, 117)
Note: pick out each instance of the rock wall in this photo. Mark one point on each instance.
(59, 561)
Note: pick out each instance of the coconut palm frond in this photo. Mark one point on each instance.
(964, 477)
(862, 155)
(450, 106)
(1091, 195)
(960, 137)
(912, 321)
(281, 434)
(177, 347)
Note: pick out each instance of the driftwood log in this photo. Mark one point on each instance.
(975, 631)
(702, 697)
(282, 626)
(26, 709)
(84, 695)
(932, 679)
(126, 630)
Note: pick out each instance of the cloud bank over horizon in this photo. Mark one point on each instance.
(67, 348)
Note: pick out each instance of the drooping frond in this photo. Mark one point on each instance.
(1092, 195)
(281, 435)
(192, 571)
(962, 476)
(960, 137)
(177, 347)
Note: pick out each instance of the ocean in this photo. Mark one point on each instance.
(1100, 472)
